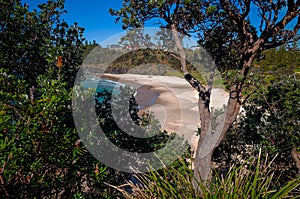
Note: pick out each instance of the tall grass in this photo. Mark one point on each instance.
(250, 180)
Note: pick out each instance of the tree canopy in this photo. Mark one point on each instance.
(31, 41)
(228, 33)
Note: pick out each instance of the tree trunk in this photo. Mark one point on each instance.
(202, 162)
(211, 137)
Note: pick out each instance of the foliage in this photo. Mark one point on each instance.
(119, 129)
(270, 121)
(100, 55)
(88, 47)
(118, 132)
(140, 61)
(135, 14)
(41, 155)
(40, 152)
(31, 41)
(282, 57)
(250, 180)
(274, 63)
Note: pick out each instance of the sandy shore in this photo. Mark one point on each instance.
(176, 101)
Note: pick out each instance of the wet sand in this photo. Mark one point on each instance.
(146, 96)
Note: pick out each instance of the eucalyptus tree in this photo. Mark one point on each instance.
(229, 31)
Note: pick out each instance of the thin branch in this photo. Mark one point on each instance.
(178, 44)
(17, 112)
(247, 4)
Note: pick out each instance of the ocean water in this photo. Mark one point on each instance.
(115, 87)
(102, 84)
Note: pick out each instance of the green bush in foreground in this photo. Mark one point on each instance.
(270, 121)
(240, 182)
(40, 153)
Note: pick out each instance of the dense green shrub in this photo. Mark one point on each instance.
(270, 121)
(31, 41)
(40, 154)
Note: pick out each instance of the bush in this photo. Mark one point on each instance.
(40, 153)
(270, 121)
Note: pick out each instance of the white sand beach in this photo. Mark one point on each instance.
(176, 106)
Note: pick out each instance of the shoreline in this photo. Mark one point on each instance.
(146, 96)
(176, 104)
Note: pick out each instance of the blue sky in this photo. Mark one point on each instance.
(93, 15)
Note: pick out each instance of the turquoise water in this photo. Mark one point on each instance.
(101, 84)
(112, 86)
